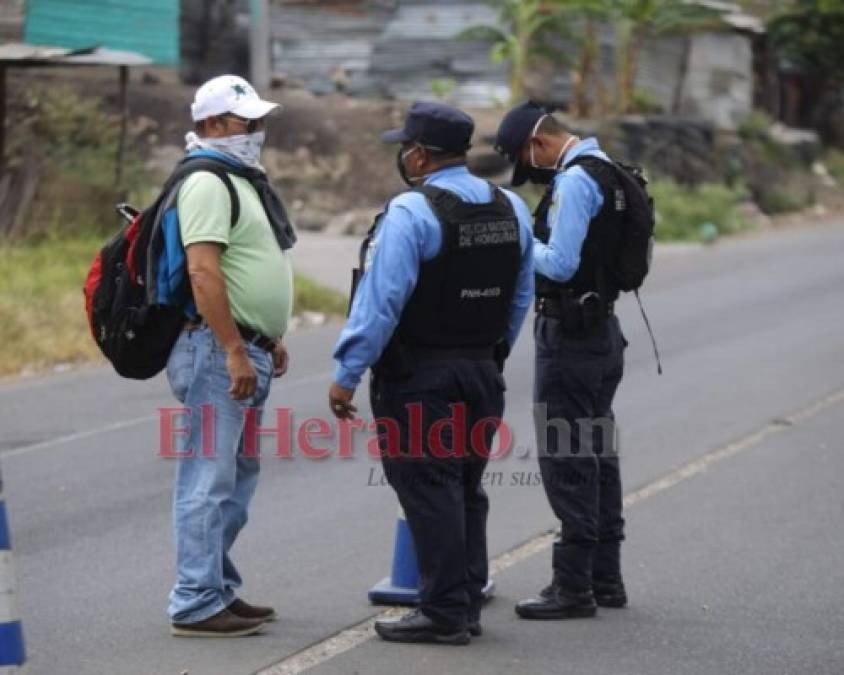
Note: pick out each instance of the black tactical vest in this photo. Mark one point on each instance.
(463, 295)
(600, 243)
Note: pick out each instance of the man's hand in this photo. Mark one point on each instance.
(244, 379)
(280, 359)
(340, 400)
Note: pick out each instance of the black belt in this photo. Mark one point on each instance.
(249, 335)
(440, 353)
(253, 337)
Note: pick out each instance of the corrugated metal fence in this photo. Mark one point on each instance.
(149, 27)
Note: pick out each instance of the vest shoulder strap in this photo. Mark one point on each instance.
(442, 201)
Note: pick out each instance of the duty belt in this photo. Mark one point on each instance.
(249, 335)
(576, 314)
(440, 353)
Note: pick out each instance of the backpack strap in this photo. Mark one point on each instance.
(601, 171)
(218, 167)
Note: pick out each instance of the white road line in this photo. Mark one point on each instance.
(362, 632)
(125, 424)
(61, 440)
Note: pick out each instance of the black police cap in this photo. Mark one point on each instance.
(435, 125)
(513, 133)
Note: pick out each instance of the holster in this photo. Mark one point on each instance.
(577, 315)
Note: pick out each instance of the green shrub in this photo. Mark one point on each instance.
(443, 87)
(793, 195)
(756, 125)
(834, 161)
(644, 102)
(74, 142)
(682, 210)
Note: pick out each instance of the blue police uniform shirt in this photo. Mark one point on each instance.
(576, 201)
(407, 235)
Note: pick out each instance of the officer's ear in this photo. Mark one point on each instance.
(423, 156)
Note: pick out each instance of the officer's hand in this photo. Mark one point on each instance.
(280, 359)
(340, 400)
(244, 379)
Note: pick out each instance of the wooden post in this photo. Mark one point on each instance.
(124, 120)
(259, 44)
(2, 119)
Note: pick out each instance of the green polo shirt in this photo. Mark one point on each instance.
(259, 278)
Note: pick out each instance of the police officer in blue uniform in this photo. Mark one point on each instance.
(579, 359)
(447, 281)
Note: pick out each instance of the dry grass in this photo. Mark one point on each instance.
(42, 312)
(42, 315)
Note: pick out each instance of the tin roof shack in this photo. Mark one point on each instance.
(408, 49)
(148, 27)
(11, 20)
(391, 48)
(707, 74)
(716, 76)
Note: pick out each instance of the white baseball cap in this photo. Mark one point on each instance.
(229, 94)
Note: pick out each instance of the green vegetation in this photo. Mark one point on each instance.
(45, 263)
(530, 30)
(443, 87)
(312, 296)
(522, 36)
(683, 211)
(42, 305)
(777, 177)
(68, 146)
(834, 160)
(810, 34)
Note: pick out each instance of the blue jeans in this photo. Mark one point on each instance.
(212, 493)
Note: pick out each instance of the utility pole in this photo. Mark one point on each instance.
(259, 44)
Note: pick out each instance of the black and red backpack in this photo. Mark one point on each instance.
(135, 293)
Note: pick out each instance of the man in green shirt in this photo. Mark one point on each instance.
(224, 360)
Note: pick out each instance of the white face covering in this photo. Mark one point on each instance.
(556, 165)
(246, 148)
(411, 181)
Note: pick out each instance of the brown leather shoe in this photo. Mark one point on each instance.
(222, 624)
(247, 611)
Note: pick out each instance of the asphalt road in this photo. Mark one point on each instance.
(732, 568)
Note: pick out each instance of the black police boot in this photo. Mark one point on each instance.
(548, 591)
(416, 627)
(607, 582)
(473, 624)
(561, 604)
(610, 592)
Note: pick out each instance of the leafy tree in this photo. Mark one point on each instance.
(810, 34)
(522, 36)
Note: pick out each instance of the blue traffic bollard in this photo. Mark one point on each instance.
(402, 586)
(12, 653)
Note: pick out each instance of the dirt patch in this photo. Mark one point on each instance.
(324, 153)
